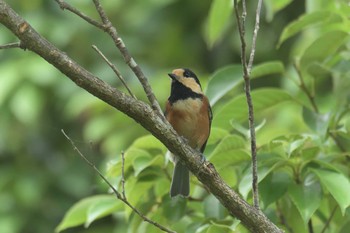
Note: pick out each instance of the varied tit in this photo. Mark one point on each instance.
(189, 112)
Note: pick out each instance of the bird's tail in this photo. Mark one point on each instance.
(180, 185)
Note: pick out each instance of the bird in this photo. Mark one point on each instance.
(189, 112)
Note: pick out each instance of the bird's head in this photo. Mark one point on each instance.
(186, 78)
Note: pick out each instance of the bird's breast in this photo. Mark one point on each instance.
(190, 119)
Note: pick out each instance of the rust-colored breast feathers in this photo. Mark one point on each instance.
(190, 119)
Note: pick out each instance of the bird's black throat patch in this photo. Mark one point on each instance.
(181, 92)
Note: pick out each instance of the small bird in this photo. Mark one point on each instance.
(189, 112)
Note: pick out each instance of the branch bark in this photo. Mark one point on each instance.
(143, 114)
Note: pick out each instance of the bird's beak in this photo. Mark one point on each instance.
(173, 77)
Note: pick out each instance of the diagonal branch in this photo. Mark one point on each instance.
(142, 113)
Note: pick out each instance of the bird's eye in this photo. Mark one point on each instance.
(187, 74)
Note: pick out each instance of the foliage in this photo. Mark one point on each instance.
(301, 101)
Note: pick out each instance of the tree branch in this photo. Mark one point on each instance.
(143, 114)
(246, 76)
(115, 70)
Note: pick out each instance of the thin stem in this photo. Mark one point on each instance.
(255, 35)
(310, 227)
(11, 45)
(282, 219)
(303, 87)
(117, 194)
(123, 176)
(246, 77)
(326, 225)
(115, 70)
(65, 6)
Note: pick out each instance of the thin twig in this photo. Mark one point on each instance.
(246, 76)
(112, 31)
(326, 225)
(115, 70)
(11, 45)
(255, 35)
(336, 141)
(282, 219)
(129, 60)
(303, 87)
(117, 194)
(123, 175)
(65, 6)
(310, 227)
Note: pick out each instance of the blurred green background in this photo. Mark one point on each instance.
(41, 176)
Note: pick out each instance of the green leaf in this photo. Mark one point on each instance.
(267, 68)
(174, 208)
(231, 142)
(296, 144)
(79, 212)
(105, 206)
(245, 186)
(229, 173)
(229, 151)
(222, 81)
(324, 46)
(315, 121)
(213, 208)
(148, 142)
(227, 78)
(337, 185)
(301, 23)
(237, 110)
(218, 229)
(345, 228)
(230, 157)
(228, 223)
(219, 14)
(306, 197)
(135, 190)
(216, 134)
(292, 216)
(278, 182)
(273, 6)
(245, 131)
(142, 162)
